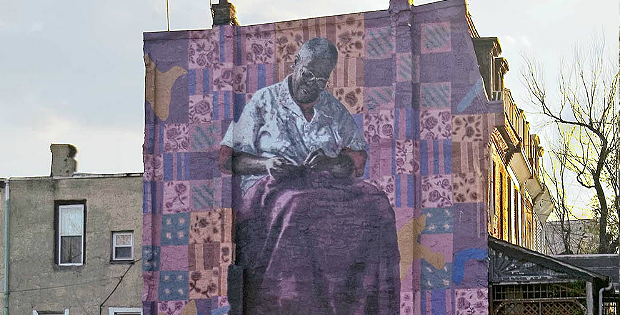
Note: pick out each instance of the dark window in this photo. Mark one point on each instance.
(70, 225)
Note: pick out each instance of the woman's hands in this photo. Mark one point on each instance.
(281, 168)
(340, 166)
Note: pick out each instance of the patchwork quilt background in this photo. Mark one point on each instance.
(411, 81)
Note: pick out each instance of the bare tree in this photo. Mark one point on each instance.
(587, 116)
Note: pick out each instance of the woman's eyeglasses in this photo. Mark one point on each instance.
(309, 77)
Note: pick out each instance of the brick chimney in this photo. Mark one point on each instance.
(63, 162)
(224, 13)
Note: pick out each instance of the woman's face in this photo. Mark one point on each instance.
(309, 78)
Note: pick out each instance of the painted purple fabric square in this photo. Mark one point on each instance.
(439, 244)
(174, 258)
(150, 285)
(378, 72)
(404, 95)
(151, 231)
(203, 165)
(149, 308)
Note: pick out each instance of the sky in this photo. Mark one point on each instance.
(73, 71)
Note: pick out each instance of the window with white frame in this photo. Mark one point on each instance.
(122, 246)
(70, 232)
(125, 311)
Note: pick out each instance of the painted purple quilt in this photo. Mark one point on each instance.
(318, 245)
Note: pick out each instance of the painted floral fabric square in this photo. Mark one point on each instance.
(170, 307)
(467, 187)
(435, 124)
(206, 227)
(406, 303)
(176, 197)
(407, 156)
(240, 75)
(350, 35)
(223, 77)
(386, 184)
(259, 43)
(176, 138)
(289, 38)
(153, 167)
(200, 108)
(471, 301)
(467, 128)
(203, 284)
(436, 191)
(204, 49)
(351, 97)
(379, 126)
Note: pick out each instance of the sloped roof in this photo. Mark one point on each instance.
(515, 264)
(604, 264)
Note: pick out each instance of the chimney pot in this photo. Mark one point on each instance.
(63, 162)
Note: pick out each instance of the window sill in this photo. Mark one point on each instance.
(121, 262)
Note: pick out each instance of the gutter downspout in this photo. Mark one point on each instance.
(600, 297)
(6, 247)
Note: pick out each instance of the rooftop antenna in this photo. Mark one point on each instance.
(168, 15)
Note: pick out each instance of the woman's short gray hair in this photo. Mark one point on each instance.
(319, 47)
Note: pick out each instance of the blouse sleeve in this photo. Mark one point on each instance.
(242, 134)
(351, 133)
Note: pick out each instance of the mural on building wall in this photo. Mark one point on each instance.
(357, 185)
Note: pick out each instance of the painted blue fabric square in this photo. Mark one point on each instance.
(173, 285)
(432, 278)
(203, 306)
(175, 229)
(438, 220)
(150, 258)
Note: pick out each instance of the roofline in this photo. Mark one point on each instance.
(547, 261)
(78, 176)
(586, 255)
